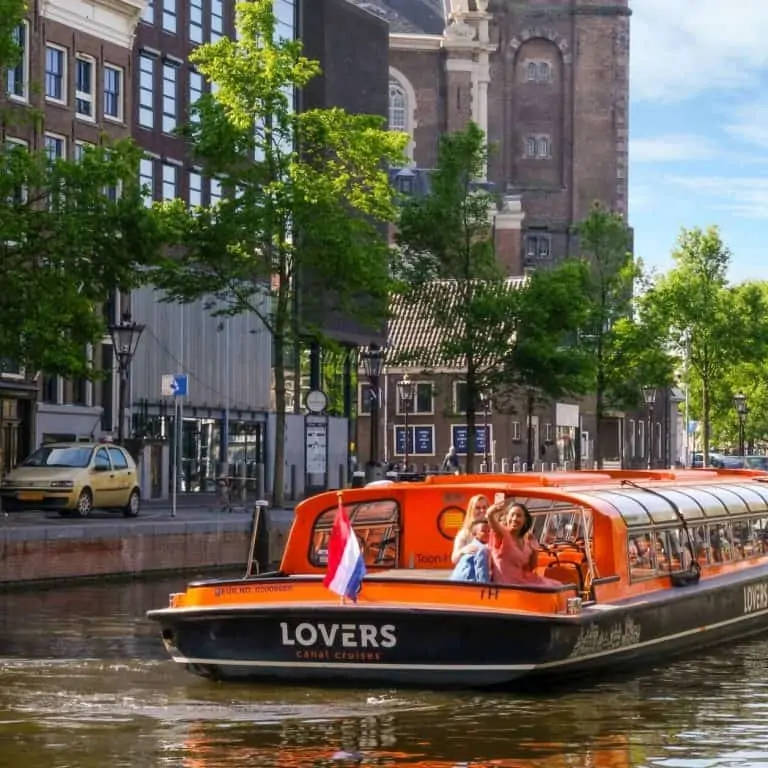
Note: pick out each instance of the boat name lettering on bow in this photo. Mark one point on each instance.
(247, 589)
(756, 597)
(593, 639)
(344, 635)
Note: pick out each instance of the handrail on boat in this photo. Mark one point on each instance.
(258, 507)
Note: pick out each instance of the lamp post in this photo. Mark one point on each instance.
(485, 401)
(740, 404)
(125, 339)
(405, 394)
(649, 395)
(373, 361)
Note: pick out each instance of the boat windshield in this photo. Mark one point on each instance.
(58, 456)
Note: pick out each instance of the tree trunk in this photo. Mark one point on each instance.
(280, 339)
(705, 412)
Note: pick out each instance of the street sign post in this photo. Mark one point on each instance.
(175, 385)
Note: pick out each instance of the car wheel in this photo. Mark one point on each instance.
(84, 504)
(134, 503)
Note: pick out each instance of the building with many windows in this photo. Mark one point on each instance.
(74, 70)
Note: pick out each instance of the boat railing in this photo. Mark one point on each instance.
(258, 526)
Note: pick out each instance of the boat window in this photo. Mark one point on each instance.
(654, 553)
(660, 510)
(733, 500)
(688, 507)
(762, 490)
(377, 526)
(634, 513)
(642, 555)
(567, 524)
(754, 501)
(710, 503)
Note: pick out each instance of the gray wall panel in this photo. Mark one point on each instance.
(186, 339)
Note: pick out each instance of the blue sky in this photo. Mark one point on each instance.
(699, 127)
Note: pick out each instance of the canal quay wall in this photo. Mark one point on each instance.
(36, 548)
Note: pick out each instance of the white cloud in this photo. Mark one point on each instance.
(682, 47)
(744, 196)
(673, 148)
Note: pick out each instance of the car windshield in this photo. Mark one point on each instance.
(52, 456)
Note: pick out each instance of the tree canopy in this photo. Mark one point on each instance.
(299, 226)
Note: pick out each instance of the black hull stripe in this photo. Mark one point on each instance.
(570, 661)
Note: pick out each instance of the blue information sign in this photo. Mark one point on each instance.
(460, 438)
(421, 441)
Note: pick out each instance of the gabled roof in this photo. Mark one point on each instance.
(415, 16)
(414, 339)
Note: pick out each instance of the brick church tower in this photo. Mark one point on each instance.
(548, 80)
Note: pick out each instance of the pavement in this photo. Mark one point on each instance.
(200, 511)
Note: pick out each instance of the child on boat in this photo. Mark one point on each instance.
(475, 563)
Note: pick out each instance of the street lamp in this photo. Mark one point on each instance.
(373, 362)
(405, 393)
(125, 339)
(740, 404)
(485, 401)
(649, 395)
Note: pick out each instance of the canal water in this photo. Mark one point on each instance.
(84, 682)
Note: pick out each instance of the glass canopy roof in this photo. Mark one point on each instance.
(640, 507)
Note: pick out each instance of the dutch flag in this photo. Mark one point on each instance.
(346, 566)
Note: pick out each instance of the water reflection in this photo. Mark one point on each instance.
(84, 682)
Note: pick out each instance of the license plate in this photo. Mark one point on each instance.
(29, 496)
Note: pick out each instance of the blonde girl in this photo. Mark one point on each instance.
(464, 543)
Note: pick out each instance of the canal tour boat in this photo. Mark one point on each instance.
(646, 564)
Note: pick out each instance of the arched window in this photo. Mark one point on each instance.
(398, 107)
(544, 70)
(532, 71)
(544, 148)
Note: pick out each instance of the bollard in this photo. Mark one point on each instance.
(554, 467)
(525, 466)
(516, 467)
(483, 468)
(495, 468)
(505, 466)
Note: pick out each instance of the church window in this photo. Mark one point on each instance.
(532, 71)
(543, 72)
(538, 71)
(398, 107)
(538, 146)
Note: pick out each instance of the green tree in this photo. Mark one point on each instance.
(66, 243)
(305, 193)
(605, 242)
(540, 364)
(450, 272)
(723, 326)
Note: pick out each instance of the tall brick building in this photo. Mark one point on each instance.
(548, 81)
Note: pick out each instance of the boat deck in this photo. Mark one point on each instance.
(433, 574)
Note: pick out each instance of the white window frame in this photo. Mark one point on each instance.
(548, 433)
(641, 438)
(412, 411)
(167, 117)
(148, 200)
(479, 424)
(24, 64)
(170, 165)
(515, 430)
(170, 22)
(196, 5)
(151, 109)
(89, 98)
(543, 146)
(58, 137)
(412, 454)
(79, 144)
(20, 143)
(398, 79)
(148, 14)
(64, 74)
(195, 172)
(215, 197)
(193, 76)
(216, 20)
(632, 438)
(120, 116)
(17, 376)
